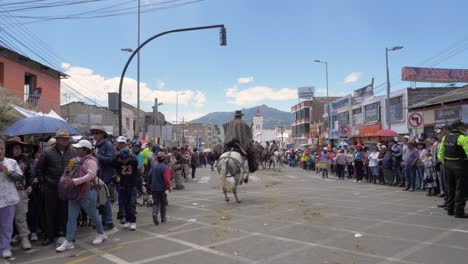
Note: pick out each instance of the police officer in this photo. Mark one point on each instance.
(453, 153)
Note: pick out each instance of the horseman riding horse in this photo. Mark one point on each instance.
(238, 158)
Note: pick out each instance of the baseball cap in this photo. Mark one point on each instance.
(122, 139)
(83, 144)
(124, 154)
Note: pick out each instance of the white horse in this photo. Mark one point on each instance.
(232, 164)
(276, 160)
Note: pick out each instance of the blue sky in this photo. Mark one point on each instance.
(271, 49)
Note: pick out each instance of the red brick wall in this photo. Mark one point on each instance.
(13, 81)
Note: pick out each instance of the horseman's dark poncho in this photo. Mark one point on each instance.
(238, 130)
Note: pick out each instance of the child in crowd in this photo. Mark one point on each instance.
(429, 171)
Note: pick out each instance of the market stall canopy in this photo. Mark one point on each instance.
(29, 113)
(39, 126)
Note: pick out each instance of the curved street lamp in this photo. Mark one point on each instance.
(222, 43)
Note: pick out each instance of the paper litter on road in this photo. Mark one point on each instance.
(194, 203)
(265, 224)
(192, 220)
(357, 235)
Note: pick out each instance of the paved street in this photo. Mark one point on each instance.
(284, 217)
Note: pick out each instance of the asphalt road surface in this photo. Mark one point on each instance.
(290, 216)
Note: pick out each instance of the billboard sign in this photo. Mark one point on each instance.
(364, 92)
(343, 102)
(306, 92)
(447, 115)
(437, 75)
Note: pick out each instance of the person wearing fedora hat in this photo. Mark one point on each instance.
(238, 135)
(50, 168)
(105, 154)
(453, 154)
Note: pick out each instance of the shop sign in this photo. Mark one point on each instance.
(416, 74)
(447, 115)
(306, 92)
(340, 103)
(364, 92)
(369, 131)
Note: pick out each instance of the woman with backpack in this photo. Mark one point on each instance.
(84, 179)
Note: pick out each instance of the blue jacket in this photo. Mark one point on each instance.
(157, 177)
(139, 158)
(105, 155)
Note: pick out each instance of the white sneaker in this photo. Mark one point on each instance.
(99, 239)
(126, 225)
(26, 244)
(6, 254)
(34, 237)
(133, 226)
(66, 245)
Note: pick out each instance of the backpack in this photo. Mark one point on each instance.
(76, 192)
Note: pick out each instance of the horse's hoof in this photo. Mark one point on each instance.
(239, 201)
(227, 200)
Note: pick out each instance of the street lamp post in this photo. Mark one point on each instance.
(177, 116)
(329, 112)
(389, 122)
(222, 43)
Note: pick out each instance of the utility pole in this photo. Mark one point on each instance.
(387, 108)
(138, 74)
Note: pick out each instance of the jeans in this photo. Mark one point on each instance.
(159, 203)
(121, 212)
(129, 195)
(410, 173)
(441, 177)
(375, 171)
(359, 169)
(398, 175)
(340, 171)
(419, 176)
(194, 169)
(88, 203)
(7, 214)
(107, 212)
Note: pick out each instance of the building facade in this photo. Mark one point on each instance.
(35, 83)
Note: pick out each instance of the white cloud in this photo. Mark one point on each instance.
(96, 87)
(245, 80)
(161, 85)
(254, 95)
(352, 77)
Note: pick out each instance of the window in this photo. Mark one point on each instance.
(372, 113)
(358, 118)
(29, 81)
(396, 109)
(343, 118)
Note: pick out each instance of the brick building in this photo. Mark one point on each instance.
(35, 83)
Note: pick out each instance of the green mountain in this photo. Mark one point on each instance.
(271, 117)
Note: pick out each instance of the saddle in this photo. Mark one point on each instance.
(234, 146)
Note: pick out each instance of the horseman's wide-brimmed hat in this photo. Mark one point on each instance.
(99, 129)
(238, 113)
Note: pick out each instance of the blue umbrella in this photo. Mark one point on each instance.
(39, 126)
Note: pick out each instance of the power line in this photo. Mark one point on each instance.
(54, 5)
(39, 19)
